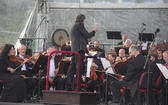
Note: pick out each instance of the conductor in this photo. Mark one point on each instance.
(79, 36)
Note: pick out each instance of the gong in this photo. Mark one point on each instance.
(59, 37)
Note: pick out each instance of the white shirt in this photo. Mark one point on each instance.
(52, 67)
(23, 66)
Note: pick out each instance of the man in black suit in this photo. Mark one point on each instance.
(134, 71)
(124, 37)
(27, 72)
(97, 48)
(79, 36)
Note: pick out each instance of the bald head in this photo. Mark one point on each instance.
(96, 44)
(121, 53)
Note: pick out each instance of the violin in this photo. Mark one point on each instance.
(16, 59)
(93, 74)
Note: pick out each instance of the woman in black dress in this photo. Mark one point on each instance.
(14, 85)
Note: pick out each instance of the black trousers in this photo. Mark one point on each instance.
(31, 84)
(115, 87)
(72, 70)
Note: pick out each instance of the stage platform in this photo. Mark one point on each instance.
(7, 103)
(66, 98)
(71, 97)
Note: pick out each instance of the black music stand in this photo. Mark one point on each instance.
(114, 35)
(38, 68)
(40, 63)
(146, 37)
(63, 68)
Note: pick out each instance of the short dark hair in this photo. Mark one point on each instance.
(6, 49)
(113, 54)
(80, 18)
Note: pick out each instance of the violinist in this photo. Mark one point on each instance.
(111, 57)
(100, 74)
(14, 85)
(121, 56)
(134, 71)
(27, 73)
(95, 76)
(96, 66)
(121, 62)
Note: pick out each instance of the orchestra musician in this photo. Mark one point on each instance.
(153, 98)
(54, 79)
(27, 73)
(100, 72)
(1, 84)
(89, 43)
(160, 55)
(128, 43)
(121, 56)
(79, 36)
(14, 85)
(124, 37)
(165, 57)
(165, 93)
(96, 47)
(134, 71)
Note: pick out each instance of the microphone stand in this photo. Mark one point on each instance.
(147, 63)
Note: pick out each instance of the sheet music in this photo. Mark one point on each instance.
(163, 69)
(106, 64)
(92, 53)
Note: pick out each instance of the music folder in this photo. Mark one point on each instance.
(106, 65)
(163, 69)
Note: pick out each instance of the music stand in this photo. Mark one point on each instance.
(40, 63)
(114, 35)
(99, 54)
(37, 69)
(146, 37)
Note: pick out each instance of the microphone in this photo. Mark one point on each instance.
(144, 24)
(157, 30)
